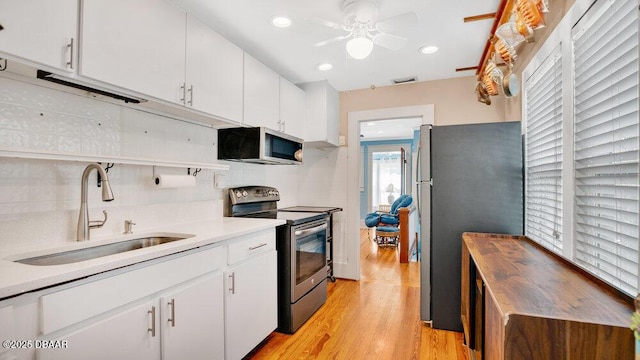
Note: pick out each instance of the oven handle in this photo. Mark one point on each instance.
(310, 230)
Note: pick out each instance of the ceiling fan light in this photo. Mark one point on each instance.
(359, 47)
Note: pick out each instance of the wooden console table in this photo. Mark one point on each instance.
(520, 301)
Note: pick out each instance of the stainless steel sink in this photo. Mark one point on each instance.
(73, 256)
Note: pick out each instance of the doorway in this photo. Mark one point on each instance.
(351, 268)
(387, 147)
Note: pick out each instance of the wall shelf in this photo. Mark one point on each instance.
(502, 15)
(6, 152)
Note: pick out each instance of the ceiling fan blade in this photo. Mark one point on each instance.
(326, 23)
(389, 41)
(330, 41)
(398, 23)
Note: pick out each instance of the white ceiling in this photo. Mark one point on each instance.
(290, 51)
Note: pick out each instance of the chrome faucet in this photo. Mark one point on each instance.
(84, 224)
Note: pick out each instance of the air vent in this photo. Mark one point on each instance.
(45, 75)
(404, 80)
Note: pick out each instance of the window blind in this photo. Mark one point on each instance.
(605, 47)
(543, 153)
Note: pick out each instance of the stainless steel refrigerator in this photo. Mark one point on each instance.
(469, 179)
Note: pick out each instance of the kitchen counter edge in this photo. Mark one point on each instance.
(17, 278)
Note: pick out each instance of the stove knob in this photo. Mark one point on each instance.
(244, 193)
(238, 194)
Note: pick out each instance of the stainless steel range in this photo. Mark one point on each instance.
(302, 253)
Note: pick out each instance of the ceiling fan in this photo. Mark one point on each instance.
(364, 30)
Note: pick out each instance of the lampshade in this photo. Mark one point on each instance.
(359, 47)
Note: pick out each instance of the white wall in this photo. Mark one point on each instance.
(39, 199)
(323, 179)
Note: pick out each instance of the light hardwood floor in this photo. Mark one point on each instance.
(374, 318)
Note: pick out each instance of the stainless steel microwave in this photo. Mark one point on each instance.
(259, 145)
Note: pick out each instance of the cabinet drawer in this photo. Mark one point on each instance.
(255, 244)
(69, 306)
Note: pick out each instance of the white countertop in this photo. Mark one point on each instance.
(17, 278)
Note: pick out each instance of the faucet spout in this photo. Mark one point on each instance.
(107, 195)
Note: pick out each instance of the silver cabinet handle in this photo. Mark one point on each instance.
(153, 321)
(172, 319)
(257, 246)
(232, 276)
(183, 87)
(190, 95)
(70, 62)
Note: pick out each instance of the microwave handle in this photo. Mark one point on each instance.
(310, 230)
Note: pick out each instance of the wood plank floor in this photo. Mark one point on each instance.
(374, 318)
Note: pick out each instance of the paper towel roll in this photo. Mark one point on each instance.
(174, 181)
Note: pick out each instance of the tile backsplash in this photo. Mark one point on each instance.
(39, 199)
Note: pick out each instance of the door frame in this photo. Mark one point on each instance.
(351, 269)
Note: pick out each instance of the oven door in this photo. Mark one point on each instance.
(308, 257)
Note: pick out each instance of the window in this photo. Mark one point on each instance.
(582, 141)
(543, 149)
(605, 56)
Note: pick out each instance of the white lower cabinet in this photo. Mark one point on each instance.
(192, 322)
(188, 322)
(217, 302)
(125, 335)
(7, 331)
(250, 304)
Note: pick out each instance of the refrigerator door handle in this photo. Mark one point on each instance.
(418, 170)
(418, 184)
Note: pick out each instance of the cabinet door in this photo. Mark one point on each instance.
(39, 30)
(261, 94)
(213, 73)
(126, 335)
(292, 108)
(251, 312)
(193, 321)
(135, 44)
(322, 113)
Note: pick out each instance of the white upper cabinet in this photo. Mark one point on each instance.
(292, 109)
(261, 94)
(41, 31)
(323, 114)
(135, 44)
(213, 72)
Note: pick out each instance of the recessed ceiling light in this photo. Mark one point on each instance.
(281, 21)
(325, 67)
(428, 49)
(371, 123)
(380, 132)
